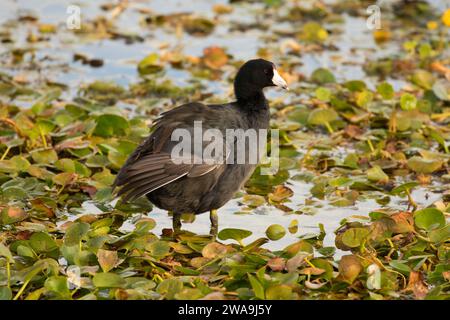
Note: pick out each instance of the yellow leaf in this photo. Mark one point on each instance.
(446, 18)
(107, 259)
(432, 25)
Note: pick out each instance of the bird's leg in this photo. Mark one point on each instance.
(214, 218)
(176, 222)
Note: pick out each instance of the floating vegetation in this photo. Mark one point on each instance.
(367, 121)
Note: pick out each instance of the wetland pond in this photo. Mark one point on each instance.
(364, 138)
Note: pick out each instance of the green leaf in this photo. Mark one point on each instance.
(158, 249)
(422, 165)
(408, 102)
(4, 252)
(322, 76)
(293, 226)
(20, 163)
(235, 234)
(257, 287)
(275, 232)
(429, 219)
(75, 233)
(170, 287)
(64, 178)
(377, 174)
(108, 280)
(423, 79)
(109, 125)
(385, 90)
(44, 156)
(45, 126)
(149, 64)
(44, 101)
(440, 235)
(400, 266)
(143, 226)
(354, 237)
(5, 293)
(41, 242)
(322, 116)
(313, 32)
(355, 85)
(279, 292)
(323, 94)
(58, 285)
(364, 98)
(404, 187)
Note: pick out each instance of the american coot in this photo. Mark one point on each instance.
(193, 186)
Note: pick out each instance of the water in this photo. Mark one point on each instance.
(355, 45)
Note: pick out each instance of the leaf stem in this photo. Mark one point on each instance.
(8, 273)
(330, 129)
(19, 293)
(5, 153)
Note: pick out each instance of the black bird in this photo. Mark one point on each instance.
(196, 186)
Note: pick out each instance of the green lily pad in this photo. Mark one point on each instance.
(429, 219)
(275, 232)
(5, 293)
(109, 125)
(323, 94)
(322, 116)
(235, 234)
(108, 280)
(354, 237)
(149, 64)
(279, 292)
(408, 102)
(58, 285)
(44, 156)
(322, 76)
(42, 242)
(75, 233)
(440, 235)
(422, 165)
(355, 85)
(377, 174)
(385, 90)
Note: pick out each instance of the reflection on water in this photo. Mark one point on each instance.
(259, 219)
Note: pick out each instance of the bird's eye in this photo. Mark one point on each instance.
(266, 71)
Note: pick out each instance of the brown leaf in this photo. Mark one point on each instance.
(417, 285)
(312, 271)
(280, 193)
(107, 259)
(214, 57)
(213, 250)
(353, 131)
(349, 268)
(404, 222)
(16, 213)
(277, 264)
(40, 205)
(222, 8)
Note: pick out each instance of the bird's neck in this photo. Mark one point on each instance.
(250, 100)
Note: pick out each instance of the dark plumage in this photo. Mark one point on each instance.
(196, 188)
